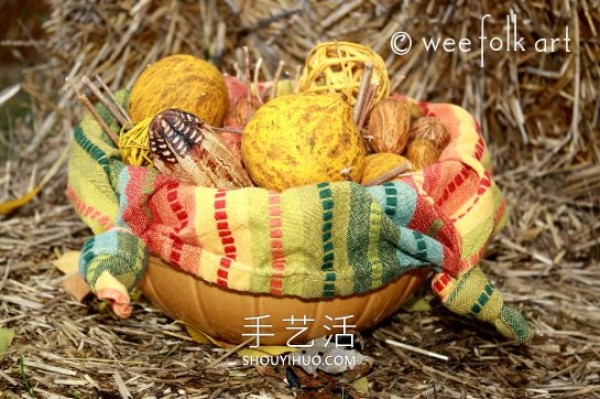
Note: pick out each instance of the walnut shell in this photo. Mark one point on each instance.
(422, 153)
(415, 110)
(389, 126)
(382, 167)
(430, 128)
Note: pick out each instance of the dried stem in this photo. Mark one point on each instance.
(85, 101)
(397, 83)
(231, 352)
(105, 101)
(364, 85)
(112, 97)
(255, 80)
(278, 72)
(389, 174)
(368, 102)
(248, 81)
(415, 349)
(227, 129)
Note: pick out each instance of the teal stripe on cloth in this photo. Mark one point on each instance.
(420, 248)
(117, 252)
(124, 178)
(463, 279)
(399, 195)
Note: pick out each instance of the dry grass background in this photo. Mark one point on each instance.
(540, 115)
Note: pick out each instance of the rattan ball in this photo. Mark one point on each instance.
(134, 145)
(338, 67)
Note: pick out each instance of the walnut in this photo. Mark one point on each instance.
(430, 128)
(389, 126)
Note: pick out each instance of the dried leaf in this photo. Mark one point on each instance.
(417, 305)
(12, 205)
(74, 284)
(6, 338)
(68, 262)
(361, 386)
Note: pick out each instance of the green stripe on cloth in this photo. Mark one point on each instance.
(344, 271)
(360, 219)
(387, 251)
(311, 250)
(94, 152)
(464, 279)
(475, 238)
(326, 198)
(484, 298)
(512, 324)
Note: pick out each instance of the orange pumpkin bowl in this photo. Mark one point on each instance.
(222, 313)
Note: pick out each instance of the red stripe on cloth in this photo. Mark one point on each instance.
(473, 260)
(227, 240)
(440, 282)
(484, 184)
(183, 225)
(178, 209)
(87, 211)
(454, 184)
(277, 252)
(479, 148)
(451, 262)
(500, 212)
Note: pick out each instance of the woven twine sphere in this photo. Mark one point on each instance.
(338, 67)
(134, 145)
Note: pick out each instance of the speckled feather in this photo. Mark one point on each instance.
(185, 147)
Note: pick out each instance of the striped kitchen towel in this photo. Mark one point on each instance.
(317, 241)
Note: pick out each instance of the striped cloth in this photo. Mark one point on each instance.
(316, 241)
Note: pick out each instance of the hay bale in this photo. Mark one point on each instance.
(519, 97)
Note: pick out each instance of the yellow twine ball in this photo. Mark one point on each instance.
(134, 145)
(338, 67)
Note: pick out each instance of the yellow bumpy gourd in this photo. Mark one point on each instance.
(302, 139)
(180, 81)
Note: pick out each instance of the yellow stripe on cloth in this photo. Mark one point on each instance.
(476, 227)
